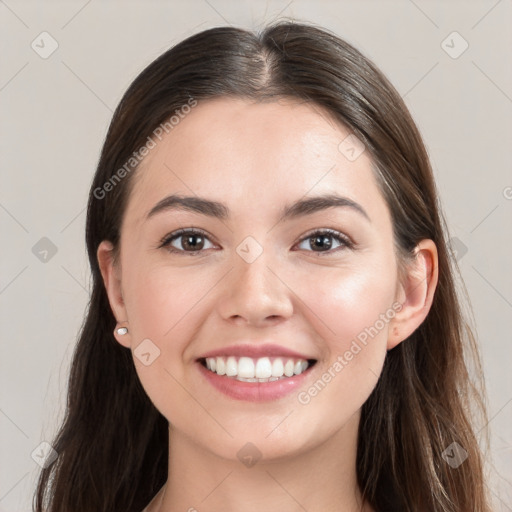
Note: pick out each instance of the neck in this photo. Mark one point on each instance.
(322, 478)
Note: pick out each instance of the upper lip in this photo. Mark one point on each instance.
(255, 351)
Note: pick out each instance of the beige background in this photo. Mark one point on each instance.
(55, 112)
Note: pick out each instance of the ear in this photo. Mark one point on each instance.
(415, 293)
(111, 273)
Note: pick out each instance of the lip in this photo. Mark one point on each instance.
(255, 351)
(254, 391)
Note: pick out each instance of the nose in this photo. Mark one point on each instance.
(255, 294)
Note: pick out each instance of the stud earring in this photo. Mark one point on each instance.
(122, 331)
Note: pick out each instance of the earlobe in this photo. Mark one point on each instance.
(416, 293)
(110, 273)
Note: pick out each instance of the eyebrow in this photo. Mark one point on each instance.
(220, 211)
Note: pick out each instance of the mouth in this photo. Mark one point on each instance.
(255, 379)
(257, 370)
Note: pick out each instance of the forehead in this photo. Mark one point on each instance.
(232, 149)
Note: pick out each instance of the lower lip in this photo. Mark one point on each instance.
(254, 391)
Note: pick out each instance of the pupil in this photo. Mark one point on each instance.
(323, 241)
(189, 241)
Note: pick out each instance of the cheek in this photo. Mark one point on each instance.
(348, 303)
(351, 311)
(161, 301)
(164, 306)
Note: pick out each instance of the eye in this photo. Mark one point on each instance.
(190, 241)
(322, 239)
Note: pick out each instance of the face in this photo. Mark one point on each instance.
(252, 289)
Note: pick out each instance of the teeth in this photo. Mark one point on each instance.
(220, 366)
(263, 368)
(288, 368)
(278, 367)
(247, 369)
(231, 367)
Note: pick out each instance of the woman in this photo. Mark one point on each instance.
(273, 323)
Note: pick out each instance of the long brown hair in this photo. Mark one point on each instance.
(113, 444)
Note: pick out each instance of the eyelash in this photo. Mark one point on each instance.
(346, 243)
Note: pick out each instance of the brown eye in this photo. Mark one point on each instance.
(321, 241)
(192, 242)
(186, 241)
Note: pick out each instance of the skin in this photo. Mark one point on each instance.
(255, 158)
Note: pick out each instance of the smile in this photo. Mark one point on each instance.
(263, 369)
(259, 379)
